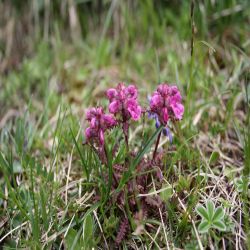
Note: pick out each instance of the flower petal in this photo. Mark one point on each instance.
(156, 101)
(88, 133)
(93, 122)
(109, 121)
(134, 109)
(178, 110)
(101, 137)
(157, 122)
(131, 91)
(114, 107)
(90, 113)
(111, 93)
(163, 89)
(165, 115)
(167, 132)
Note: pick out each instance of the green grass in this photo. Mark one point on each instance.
(49, 179)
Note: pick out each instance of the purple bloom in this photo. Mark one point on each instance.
(134, 109)
(178, 110)
(123, 102)
(154, 116)
(165, 131)
(99, 123)
(166, 103)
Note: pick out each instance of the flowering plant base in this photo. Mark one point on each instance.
(131, 179)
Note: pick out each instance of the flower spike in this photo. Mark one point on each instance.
(99, 123)
(166, 103)
(123, 102)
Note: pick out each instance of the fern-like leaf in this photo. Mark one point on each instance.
(122, 231)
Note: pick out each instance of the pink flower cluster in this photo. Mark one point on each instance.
(99, 123)
(166, 103)
(123, 101)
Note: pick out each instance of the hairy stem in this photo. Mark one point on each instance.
(156, 146)
(125, 132)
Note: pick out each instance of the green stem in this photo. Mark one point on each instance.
(128, 210)
(110, 171)
(156, 146)
(125, 132)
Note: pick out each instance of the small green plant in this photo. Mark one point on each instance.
(211, 217)
(239, 184)
(229, 223)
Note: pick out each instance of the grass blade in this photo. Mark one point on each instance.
(80, 154)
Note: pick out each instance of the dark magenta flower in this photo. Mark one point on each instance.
(99, 123)
(123, 102)
(166, 103)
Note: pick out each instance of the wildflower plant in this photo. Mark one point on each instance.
(166, 103)
(124, 178)
(165, 106)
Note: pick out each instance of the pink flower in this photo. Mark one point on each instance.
(99, 123)
(166, 103)
(111, 93)
(134, 109)
(178, 110)
(165, 115)
(114, 107)
(123, 102)
(88, 133)
(131, 91)
(156, 100)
